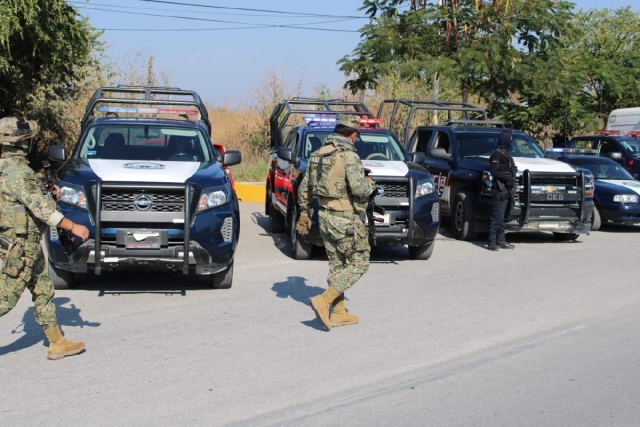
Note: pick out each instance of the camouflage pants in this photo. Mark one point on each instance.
(25, 268)
(347, 246)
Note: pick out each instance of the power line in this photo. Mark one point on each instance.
(251, 10)
(167, 30)
(200, 12)
(252, 25)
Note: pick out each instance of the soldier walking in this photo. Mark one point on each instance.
(24, 215)
(336, 177)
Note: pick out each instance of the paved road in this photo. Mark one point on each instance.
(550, 340)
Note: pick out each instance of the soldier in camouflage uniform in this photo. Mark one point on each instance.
(24, 214)
(336, 177)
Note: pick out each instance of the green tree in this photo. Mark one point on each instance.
(483, 46)
(42, 43)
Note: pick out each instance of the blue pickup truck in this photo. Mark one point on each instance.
(406, 190)
(145, 180)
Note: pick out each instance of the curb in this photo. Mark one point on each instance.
(251, 191)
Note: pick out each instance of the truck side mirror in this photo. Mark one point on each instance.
(57, 153)
(418, 157)
(440, 153)
(284, 153)
(231, 157)
(616, 156)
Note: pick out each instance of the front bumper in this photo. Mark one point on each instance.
(411, 221)
(620, 212)
(205, 246)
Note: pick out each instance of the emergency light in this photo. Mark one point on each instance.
(144, 110)
(608, 132)
(364, 121)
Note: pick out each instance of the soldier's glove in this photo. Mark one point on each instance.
(303, 226)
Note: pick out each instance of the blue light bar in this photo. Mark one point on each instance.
(320, 119)
(106, 109)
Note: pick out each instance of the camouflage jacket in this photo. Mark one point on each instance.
(336, 177)
(19, 185)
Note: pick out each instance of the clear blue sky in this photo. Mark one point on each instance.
(229, 63)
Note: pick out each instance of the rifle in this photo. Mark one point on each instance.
(65, 237)
(371, 208)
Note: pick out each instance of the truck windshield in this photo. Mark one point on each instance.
(476, 144)
(605, 170)
(369, 145)
(145, 142)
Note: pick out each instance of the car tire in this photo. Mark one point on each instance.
(422, 252)
(596, 219)
(462, 217)
(267, 201)
(222, 280)
(300, 249)
(61, 279)
(276, 219)
(566, 237)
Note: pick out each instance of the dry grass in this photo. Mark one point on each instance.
(241, 130)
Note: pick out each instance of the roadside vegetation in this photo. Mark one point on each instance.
(541, 65)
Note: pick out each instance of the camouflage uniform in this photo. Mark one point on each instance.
(336, 177)
(23, 264)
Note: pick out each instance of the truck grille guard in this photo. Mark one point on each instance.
(525, 202)
(189, 211)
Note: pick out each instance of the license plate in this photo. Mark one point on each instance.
(142, 240)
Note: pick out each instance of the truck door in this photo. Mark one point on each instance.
(284, 170)
(440, 168)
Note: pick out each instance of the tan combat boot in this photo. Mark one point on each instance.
(60, 347)
(320, 304)
(339, 316)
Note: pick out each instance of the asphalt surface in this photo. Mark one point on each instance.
(544, 335)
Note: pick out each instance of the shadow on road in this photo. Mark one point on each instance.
(32, 333)
(132, 282)
(296, 288)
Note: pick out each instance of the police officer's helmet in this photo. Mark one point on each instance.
(17, 131)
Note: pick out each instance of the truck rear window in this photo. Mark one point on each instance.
(145, 142)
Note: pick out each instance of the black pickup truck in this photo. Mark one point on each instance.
(405, 189)
(551, 195)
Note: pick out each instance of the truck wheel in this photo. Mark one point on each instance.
(222, 280)
(300, 249)
(267, 201)
(276, 219)
(566, 237)
(596, 220)
(61, 279)
(462, 217)
(422, 252)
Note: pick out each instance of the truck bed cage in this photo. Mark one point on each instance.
(146, 96)
(304, 106)
(430, 105)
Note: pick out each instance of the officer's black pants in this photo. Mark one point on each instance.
(499, 213)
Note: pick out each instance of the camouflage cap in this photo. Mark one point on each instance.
(14, 130)
(349, 120)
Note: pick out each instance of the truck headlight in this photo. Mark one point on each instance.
(73, 196)
(213, 197)
(425, 187)
(625, 198)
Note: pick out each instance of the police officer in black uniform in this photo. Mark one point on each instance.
(503, 171)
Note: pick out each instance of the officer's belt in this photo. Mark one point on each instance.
(341, 214)
(5, 242)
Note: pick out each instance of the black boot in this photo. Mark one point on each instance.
(506, 245)
(492, 246)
